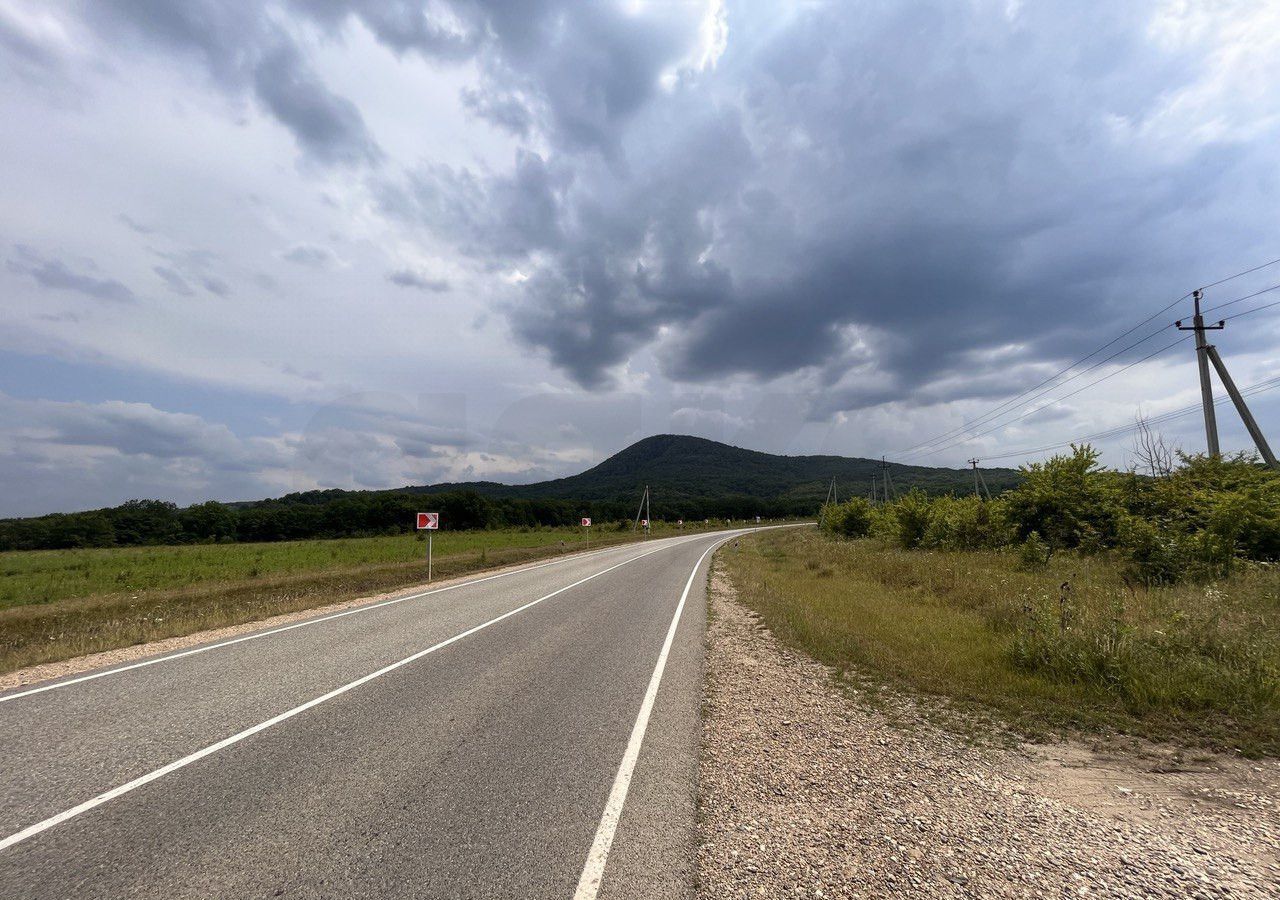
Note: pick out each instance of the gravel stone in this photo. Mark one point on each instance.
(805, 791)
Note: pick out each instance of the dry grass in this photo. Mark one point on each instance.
(1066, 647)
(61, 604)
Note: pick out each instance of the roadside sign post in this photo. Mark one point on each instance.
(586, 523)
(429, 522)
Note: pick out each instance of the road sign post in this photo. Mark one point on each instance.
(429, 522)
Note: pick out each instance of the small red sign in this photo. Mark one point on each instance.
(428, 521)
(644, 523)
(586, 522)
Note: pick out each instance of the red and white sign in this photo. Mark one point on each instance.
(428, 521)
(586, 522)
(644, 523)
(680, 522)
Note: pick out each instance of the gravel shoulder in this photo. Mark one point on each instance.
(808, 790)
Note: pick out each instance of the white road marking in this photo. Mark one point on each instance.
(598, 857)
(37, 828)
(303, 624)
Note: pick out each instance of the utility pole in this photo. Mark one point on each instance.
(1207, 353)
(873, 490)
(889, 490)
(1202, 360)
(643, 508)
(978, 480)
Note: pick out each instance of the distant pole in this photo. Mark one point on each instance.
(430, 534)
(979, 481)
(648, 514)
(889, 490)
(1202, 361)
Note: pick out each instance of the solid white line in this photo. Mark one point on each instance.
(32, 830)
(303, 624)
(598, 857)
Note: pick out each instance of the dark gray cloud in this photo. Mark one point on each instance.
(245, 50)
(942, 176)
(57, 275)
(411, 278)
(327, 126)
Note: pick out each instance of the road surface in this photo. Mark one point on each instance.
(531, 734)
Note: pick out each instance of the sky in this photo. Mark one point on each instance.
(253, 248)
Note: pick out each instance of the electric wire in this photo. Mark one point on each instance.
(999, 410)
(1079, 390)
(1259, 388)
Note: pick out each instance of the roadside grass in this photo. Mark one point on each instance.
(1071, 646)
(58, 604)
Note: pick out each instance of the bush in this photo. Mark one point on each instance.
(967, 523)
(1068, 500)
(850, 519)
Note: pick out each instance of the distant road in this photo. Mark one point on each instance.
(517, 735)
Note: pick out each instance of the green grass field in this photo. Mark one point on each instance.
(1072, 646)
(58, 604)
(47, 576)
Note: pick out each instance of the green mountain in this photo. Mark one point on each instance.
(688, 477)
(679, 468)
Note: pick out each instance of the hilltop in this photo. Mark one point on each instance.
(689, 478)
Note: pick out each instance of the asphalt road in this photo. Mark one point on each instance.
(529, 735)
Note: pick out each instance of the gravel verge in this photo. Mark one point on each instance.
(808, 791)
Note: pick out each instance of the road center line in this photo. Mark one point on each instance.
(598, 857)
(32, 830)
(303, 624)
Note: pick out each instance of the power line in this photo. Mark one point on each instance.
(1260, 388)
(1254, 310)
(1205, 287)
(1109, 375)
(995, 411)
(1241, 299)
(982, 420)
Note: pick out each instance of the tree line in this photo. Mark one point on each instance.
(337, 514)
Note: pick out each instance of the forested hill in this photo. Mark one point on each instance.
(689, 478)
(680, 467)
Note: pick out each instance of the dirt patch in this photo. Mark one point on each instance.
(808, 792)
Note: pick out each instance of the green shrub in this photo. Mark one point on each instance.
(967, 523)
(1033, 553)
(1068, 499)
(849, 519)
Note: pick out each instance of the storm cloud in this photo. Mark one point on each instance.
(814, 227)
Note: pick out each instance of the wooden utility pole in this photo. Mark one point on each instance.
(1207, 354)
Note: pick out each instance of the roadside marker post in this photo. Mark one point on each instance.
(429, 522)
(586, 523)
